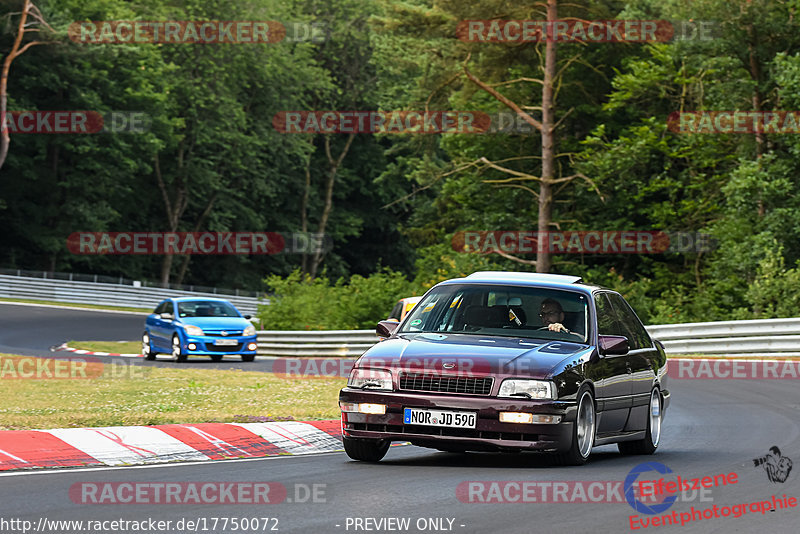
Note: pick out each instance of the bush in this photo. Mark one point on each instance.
(300, 303)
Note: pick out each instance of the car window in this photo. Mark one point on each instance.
(164, 307)
(607, 322)
(637, 335)
(511, 311)
(206, 308)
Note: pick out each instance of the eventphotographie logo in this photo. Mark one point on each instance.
(777, 466)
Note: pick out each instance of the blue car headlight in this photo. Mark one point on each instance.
(193, 330)
(249, 331)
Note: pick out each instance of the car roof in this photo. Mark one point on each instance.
(209, 299)
(561, 281)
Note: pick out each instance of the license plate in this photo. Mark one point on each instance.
(225, 342)
(416, 416)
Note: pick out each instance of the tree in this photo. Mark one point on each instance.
(37, 24)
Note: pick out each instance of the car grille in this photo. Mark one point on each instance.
(223, 348)
(466, 385)
(218, 332)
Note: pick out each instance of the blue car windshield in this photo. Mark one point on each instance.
(498, 310)
(205, 308)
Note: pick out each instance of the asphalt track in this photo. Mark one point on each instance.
(31, 330)
(713, 427)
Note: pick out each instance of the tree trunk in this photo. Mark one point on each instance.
(304, 215)
(5, 139)
(543, 261)
(197, 225)
(174, 211)
(333, 168)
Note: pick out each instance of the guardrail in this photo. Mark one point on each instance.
(764, 337)
(18, 287)
(320, 343)
(777, 337)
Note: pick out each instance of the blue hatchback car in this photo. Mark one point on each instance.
(190, 326)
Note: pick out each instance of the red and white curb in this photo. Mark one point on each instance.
(64, 348)
(136, 445)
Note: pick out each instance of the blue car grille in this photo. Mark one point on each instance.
(466, 385)
(218, 332)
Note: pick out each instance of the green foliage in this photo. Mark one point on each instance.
(399, 199)
(302, 303)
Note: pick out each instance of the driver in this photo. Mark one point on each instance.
(552, 315)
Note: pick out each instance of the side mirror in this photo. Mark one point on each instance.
(613, 345)
(386, 328)
(248, 316)
(166, 316)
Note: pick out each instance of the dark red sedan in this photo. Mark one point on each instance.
(510, 361)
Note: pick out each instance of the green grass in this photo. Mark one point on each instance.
(77, 305)
(144, 395)
(117, 347)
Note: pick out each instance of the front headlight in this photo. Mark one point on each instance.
(249, 331)
(193, 330)
(370, 379)
(532, 389)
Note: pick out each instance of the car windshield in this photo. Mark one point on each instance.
(509, 311)
(206, 308)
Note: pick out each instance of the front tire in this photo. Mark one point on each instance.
(248, 357)
(177, 351)
(583, 431)
(217, 357)
(147, 350)
(366, 450)
(652, 436)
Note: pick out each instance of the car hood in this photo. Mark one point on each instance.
(466, 354)
(234, 323)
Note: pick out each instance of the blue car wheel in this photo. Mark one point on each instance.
(177, 351)
(147, 349)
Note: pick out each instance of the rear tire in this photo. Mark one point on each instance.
(147, 349)
(177, 351)
(583, 431)
(366, 450)
(652, 437)
(248, 357)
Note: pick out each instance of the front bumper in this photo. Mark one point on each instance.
(489, 433)
(204, 345)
